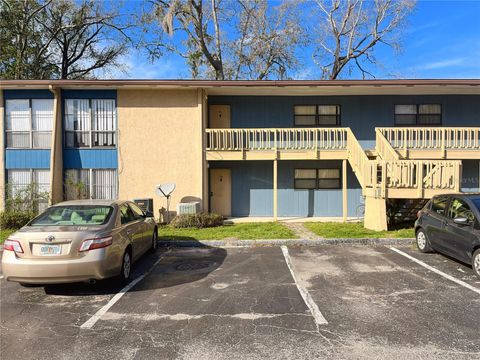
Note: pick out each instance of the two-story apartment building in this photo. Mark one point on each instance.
(244, 148)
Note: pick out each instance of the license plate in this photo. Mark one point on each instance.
(50, 249)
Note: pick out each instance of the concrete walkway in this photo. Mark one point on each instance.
(301, 231)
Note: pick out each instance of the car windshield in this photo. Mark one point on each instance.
(477, 202)
(74, 215)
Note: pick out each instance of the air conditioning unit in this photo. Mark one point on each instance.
(188, 208)
(144, 204)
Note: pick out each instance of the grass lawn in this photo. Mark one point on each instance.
(243, 231)
(4, 234)
(354, 230)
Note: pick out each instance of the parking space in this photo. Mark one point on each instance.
(219, 303)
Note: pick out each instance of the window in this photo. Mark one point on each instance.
(424, 114)
(90, 123)
(439, 205)
(305, 178)
(74, 215)
(26, 182)
(29, 123)
(317, 179)
(126, 214)
(137, 212)
(476, 201)
(329, 179)
(459, 208)
(90, 184)
(317, 115)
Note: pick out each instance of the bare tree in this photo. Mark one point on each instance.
(260, 44)
(350, 30)
(267, 40)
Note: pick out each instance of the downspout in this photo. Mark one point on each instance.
(56, 156)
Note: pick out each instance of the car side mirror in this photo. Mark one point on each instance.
(460, 220)
(148, 214)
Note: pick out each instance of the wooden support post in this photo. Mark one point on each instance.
(344, 190)
(275, 190)
(443, 140)
(419, 179)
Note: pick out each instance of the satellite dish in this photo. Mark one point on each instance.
(165, 190)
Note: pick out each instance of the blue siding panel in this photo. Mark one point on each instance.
(27, 94)
(27, 159)
(361, 113)
(89, 94)
(252, 190)
(90, 159)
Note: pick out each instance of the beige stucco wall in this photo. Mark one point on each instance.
(160, 140)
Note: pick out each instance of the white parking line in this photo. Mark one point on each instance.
(441, 273)
(316, 313)
(90, 322)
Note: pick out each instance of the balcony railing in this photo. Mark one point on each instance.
(447, 138)
(276, 139)
(417, 175)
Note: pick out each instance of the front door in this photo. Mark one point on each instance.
(219, 116)
(221, 191)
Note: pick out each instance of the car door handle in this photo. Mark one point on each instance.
(129, 232)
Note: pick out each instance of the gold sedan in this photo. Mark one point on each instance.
(82, 240)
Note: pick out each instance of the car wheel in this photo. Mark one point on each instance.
(153, 248)
(476, 262)
(126, 270)
(422, 242)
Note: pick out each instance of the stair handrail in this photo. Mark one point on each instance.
(361, 164)
(383, 147)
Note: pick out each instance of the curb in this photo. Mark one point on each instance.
(280, 242)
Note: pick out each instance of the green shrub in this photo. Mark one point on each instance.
(201, 220)
(15, 219)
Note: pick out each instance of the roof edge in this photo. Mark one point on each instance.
(242, 83)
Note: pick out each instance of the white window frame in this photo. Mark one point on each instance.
(30, 131)
(31, 181)
(91, 119)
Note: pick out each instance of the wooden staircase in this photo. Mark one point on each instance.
(388, 179)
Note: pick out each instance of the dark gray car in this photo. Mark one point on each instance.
(450, 224)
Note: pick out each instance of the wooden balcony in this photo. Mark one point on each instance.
(389, 176)
(434, 142)
(279, 144)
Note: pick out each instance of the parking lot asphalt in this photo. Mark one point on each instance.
(255, 303)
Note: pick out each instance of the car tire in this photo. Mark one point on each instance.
(126, 270)
(154, 246)
(423, 244)
(476, 262)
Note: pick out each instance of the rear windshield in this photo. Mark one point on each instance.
(74, 215)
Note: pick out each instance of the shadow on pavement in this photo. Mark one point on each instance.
(178, 265)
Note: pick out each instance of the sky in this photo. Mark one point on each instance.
(441, 40)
